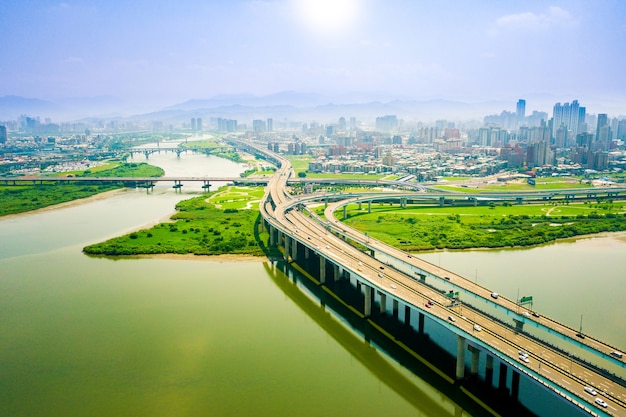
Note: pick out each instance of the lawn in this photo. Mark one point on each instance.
(427, 228)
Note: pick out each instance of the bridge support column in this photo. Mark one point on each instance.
(345, 212)
(515, 385)
(519, 325)
(489, 370)
(336, 272)
(272, 233)
(360, 206)
(367, 306)
(307, 252)
(369, 206)
(422, 277)
(460, 357)
(475, 359)
(322, 269)
(502, 379)
(420, 323)
(407, 316)
(383, 303)
(294, 249)
(442, 201)
(287, 239)
(394, 308)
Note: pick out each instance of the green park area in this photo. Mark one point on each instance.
(417, 228)
(23, 198)
(222, 222)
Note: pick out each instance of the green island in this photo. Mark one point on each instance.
(214, 146)
(20, 199)
(226, 221)
(419, 228)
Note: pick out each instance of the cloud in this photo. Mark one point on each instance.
(529, 21)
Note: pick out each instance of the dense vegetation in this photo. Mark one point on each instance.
(222, 222)
(428, 228)
(19, 199)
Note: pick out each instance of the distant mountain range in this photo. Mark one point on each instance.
(288, 105)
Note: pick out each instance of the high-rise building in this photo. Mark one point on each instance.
(3, 134)
(520, 111)
(603, 120)
(566, 115)
(199, 124)
(193, 124)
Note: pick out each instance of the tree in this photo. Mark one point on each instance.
(301, 174)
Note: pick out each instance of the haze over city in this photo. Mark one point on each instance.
(143, 56)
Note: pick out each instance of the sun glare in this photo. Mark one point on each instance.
(327, 17)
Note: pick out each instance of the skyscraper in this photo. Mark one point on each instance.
(567, 116)
(3, 134)
(520, 111)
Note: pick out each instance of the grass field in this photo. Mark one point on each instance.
(428, 228)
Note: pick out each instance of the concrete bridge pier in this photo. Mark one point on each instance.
(206, 185)
(307, 252)
(519, 325)
(369, 206)
(515, 385)
(407, 316)
(502, 379)
(489, 369)
(460, 357)
(360, 205)
(336, 272)
(273, 232)
(345, 212)
(442, 201)
(322, 269)
(367, 306)
(383, 302)
(287, 247)
(420, 323)
(294, 249)
(475, 359)
(394, 308)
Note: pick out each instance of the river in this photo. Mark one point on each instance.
(192, 336)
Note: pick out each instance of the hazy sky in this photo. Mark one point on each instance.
(171, 51)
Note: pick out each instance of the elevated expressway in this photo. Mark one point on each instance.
(290, 225)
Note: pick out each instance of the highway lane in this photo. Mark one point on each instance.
(600, 348)
(563, 371)
(552, 365)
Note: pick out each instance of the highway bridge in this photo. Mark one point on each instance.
(389, 279)
(495, 331)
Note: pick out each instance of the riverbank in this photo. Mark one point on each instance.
(222, 258)
(620, 235)
(77, 202)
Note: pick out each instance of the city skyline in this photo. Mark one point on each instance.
(154, 56)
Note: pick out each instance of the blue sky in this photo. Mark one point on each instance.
(166, 52)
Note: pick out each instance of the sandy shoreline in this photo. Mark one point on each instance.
(191, 257)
